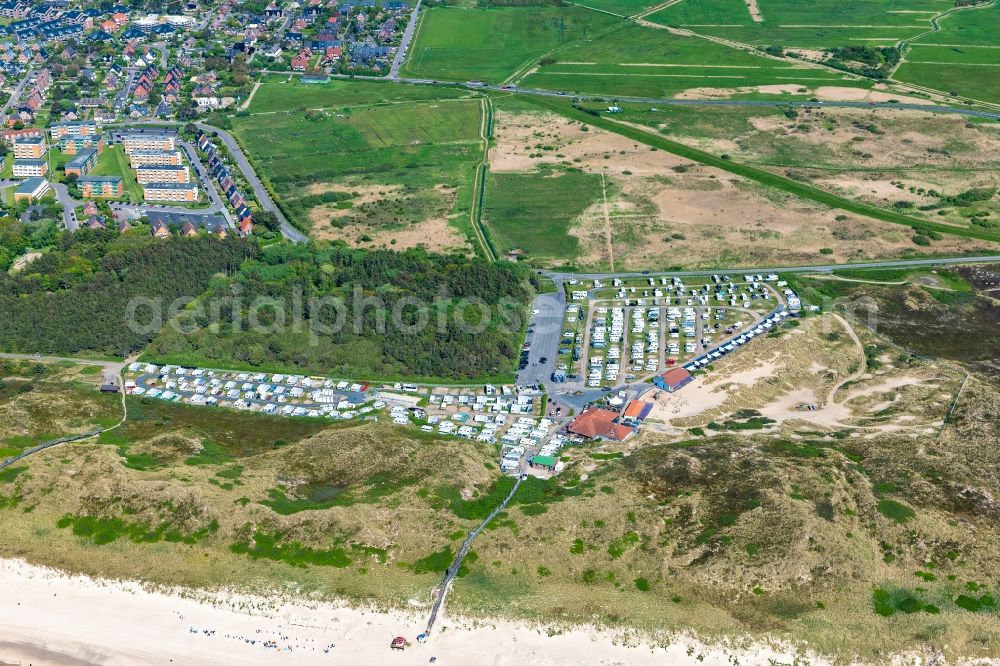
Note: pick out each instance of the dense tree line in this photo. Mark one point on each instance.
(76, 297)
(370, 286)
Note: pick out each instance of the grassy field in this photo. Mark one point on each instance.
(644, 61)
(491, 44)
(279, 94)
(532, 212)
(620, 7)
(379, 168)
(798, 23)
(960, 58)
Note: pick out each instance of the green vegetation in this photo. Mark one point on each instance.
(76, 299)
(644, 61)
(382, 167)
(516, 202)
(293, 97)
(273, 546)
(114, 162)
(468, 345)
(490, 45)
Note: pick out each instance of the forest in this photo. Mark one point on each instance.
(345, 312)
(75, 297)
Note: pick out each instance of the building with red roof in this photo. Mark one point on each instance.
(599, 423)
(673, 379)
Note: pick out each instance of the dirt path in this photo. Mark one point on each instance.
(246, 104)
(857, 374)
(607, 224)
(754, 11)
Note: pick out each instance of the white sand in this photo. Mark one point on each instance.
(47, 617)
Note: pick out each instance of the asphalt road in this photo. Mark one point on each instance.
(667, 101)
(218, 205)
(259, 191)
(404, 43)
(68, 206)
(14, 97)
(826, 268)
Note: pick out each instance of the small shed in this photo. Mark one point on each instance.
(545, 462)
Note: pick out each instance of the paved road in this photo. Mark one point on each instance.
(826, 268)
(15, 96)
(218, 205)
(68, 204)
(404, 44)
(666, 101)
(260, 192)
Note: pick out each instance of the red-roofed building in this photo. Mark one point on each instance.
(673, 379)
(636, 411)
(598, 423)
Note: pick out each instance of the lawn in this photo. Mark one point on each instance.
(113, 162)
(389, 162)
(533, 212)
(492, 44)
(644, 61)
(620, 7)
(285, 95)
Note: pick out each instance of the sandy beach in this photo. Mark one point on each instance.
(50, 618)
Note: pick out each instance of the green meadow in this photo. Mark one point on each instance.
(962, 58)
(806, 23)
(532, 212)
(325, 160)
(643, 61)
(461, 44)
(281, 95)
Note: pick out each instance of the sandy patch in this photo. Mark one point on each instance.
(723, 93)
(124, 624)
(823, 93)
(321, 216)
(24, 260)
(664, 211)
(754, 11)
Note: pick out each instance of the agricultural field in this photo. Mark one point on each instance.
(805, 24)
(460, 44)
(397, 174)
(646, 209)
(620, 7)
(644, 61)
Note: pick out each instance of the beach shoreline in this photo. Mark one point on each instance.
(50, 618)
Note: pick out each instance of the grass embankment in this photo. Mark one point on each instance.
(759, 175)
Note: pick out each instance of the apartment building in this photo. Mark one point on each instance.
(31, 189)
(167, 173)
(148, 141)
(141, 158)
(183, 192)
(77, 128)
(73, 144)
(30, 168)
(83, 163)
(101, 187)
(29, 148)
